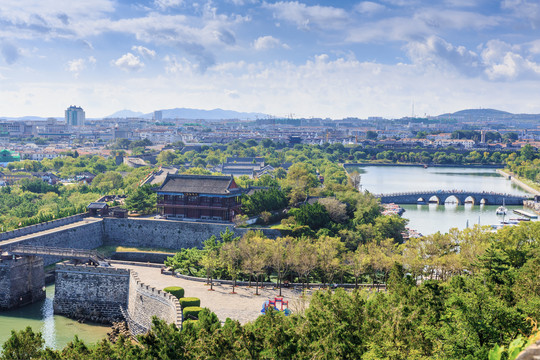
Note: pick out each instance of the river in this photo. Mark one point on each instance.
(57, 330)
(428, 219)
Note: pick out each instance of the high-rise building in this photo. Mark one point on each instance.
(158, 115)
(75, 116)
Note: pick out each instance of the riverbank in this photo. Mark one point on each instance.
(515, 179)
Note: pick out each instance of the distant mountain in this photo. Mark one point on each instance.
(477, 113)
(215, 114)
(191, 114)
(125, 114)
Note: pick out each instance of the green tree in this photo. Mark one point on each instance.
(23, 345)
(141, 200)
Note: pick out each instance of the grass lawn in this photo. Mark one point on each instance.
(108, 250)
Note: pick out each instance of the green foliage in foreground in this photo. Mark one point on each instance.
(475, 314)
(177, 291)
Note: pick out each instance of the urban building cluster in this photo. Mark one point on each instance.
(41, 139)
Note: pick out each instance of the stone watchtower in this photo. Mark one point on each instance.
(22, 281)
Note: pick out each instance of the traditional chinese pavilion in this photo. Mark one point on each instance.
(199, 197)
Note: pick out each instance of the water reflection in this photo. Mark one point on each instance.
(57, 330)
(48, 329)
(432, 217)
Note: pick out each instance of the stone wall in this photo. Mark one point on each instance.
(106, 294)
(85, 236)
(41, 226)
(89, 292)
(146, 302)
(167, 234)
(22, 281)
(149, 257)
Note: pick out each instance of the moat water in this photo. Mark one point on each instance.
(428, 219)
(57, 330)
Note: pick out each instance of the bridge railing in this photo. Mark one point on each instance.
(55, 251)
(453, 192)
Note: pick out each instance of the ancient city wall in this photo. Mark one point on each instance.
(166, 234)
(22, 281)
(41, 226)
(146, 302)
(92, 293)
(85, 236)
(107, 294)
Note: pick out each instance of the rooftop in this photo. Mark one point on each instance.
(199, 184)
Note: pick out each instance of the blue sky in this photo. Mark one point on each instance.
(306, 58)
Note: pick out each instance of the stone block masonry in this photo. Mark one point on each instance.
(106, 294)
(166, 234)
(41, 226)
(84, 236)
(145, 302)
(91, 293)
(22, 281)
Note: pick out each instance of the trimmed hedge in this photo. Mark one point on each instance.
(191, 311)
(175, 290)
(189, 301)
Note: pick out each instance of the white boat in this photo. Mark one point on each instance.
(501, 210)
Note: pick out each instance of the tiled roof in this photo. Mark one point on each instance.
(97, 205)
(200, 184)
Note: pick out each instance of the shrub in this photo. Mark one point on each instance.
(190, 321)
(192, 312)
(189, 301)
(175, 290)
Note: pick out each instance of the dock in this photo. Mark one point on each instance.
(526, 214)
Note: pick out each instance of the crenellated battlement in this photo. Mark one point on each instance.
(62, 267)
(147, 300)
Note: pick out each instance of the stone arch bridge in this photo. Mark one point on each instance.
(442, 196)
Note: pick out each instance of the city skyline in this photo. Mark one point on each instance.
(282, 58)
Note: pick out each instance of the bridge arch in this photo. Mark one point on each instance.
(421, 200)
(470, 200)
(451, 199)
(434, 199)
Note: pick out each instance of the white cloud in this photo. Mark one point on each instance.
(369, 7)
(76, 66)
(497, 60)
(129, 62)
(422, 24)
(145, 52)
(324, 17)
(504, 61)
(388, 29)
(268, 42)
(456, 20)
(165, 4)
(436, 51)
(524, 9)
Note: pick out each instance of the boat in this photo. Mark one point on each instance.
(501, 210)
